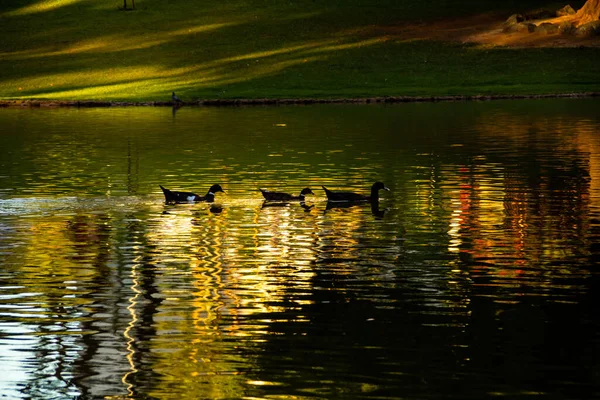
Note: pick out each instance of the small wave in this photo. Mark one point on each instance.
(67, 205)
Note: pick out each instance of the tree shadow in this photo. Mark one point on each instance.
(64, 57)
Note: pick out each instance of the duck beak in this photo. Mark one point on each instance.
(387, 188)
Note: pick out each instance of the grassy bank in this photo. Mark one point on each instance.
(91, 50)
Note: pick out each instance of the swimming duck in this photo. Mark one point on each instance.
(279, 196)
(185, 197)
(351, 196)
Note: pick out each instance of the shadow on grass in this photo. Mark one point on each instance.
(156, 58)
(63, 51)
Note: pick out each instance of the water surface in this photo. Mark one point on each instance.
(476, 276)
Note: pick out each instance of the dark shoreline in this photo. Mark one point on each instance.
(271, 101)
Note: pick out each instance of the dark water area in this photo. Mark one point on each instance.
(475, 277)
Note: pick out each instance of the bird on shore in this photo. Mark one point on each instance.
(280, 196)
(176, 99)
(351, 196)
(172, 196)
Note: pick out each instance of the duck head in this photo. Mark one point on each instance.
(377, 186)
(306, 191)
(215, 189)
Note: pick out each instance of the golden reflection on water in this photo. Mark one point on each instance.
(198, 296)
(129, 338)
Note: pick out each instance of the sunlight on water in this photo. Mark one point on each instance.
(475, 276)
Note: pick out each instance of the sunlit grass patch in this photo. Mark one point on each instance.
(89, 50)
(41, 6)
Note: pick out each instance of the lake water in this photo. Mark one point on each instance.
(477, 276)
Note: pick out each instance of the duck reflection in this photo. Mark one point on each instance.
(216, 209)
(375, 209)
(199, 217)
(270, 204)
(174, 110)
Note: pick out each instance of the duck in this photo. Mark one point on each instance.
(351, 196)
(175, 99)
(172, 196)
(279, 196)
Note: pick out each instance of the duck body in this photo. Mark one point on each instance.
(355, 197)
(280, 196)
(172, 196)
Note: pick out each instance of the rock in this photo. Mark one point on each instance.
(566, 10)
(514, 19)
(589, 29)
(520, 28)
(566, 28)
(547, 28)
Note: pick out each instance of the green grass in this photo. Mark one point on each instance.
(91, 50)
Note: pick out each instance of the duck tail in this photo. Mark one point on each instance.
(168, 194)
(265, 193)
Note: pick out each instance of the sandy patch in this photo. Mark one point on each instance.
(484, 29)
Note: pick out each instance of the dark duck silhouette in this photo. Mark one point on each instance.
(176, 100)
(351, 196)
(172, 196)
(279, 196)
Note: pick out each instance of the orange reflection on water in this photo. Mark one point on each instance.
(510, 219)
